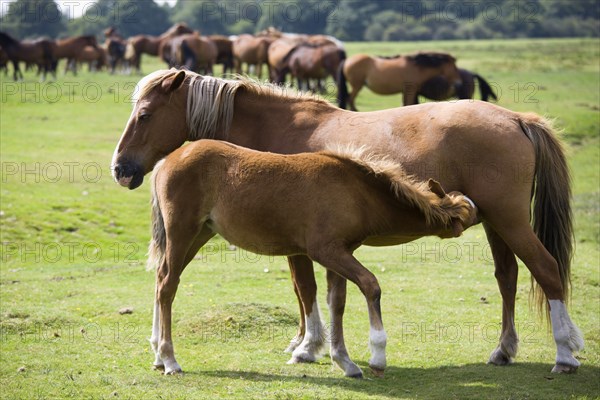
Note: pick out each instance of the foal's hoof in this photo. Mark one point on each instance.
(564, 369)
(174, 372)
(499, 358)
(377, 372)
(358, 375)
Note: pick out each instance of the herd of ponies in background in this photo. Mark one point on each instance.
(309, 59)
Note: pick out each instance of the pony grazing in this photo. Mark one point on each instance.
(491, 154)
(322, 205)
(390, 75)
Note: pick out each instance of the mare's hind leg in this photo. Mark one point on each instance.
(336, 299)
(337, 258)
(180, 250)
(506, 275)
(544, 268)
(311, 333)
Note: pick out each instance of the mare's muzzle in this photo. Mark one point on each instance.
(128, 174)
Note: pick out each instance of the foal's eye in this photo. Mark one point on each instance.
(144, 117)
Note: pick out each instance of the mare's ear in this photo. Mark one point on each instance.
(173, 83)
(436, 188)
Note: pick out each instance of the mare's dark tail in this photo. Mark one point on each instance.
(485, 89)
(342, 96)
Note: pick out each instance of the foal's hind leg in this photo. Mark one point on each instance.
(336, 298)
(338, 259)
(506, 275)
(309, 342)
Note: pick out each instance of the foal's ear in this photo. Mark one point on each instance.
(436, 188)
(174, 82)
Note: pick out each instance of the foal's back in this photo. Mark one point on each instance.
(272, 203)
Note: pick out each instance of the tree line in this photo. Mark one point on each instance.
(349, 20)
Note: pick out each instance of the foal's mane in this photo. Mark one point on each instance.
(402, 186)
(210, 100)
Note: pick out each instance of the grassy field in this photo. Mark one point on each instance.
(73, 252)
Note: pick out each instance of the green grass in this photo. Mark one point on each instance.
(73, 246)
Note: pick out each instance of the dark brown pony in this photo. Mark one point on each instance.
(116, 47)
(314, 61)
(397, 74)
(501, 159)
(251, 199)
(147, 44)
(39, 52)
(438, 88)
(71, 48)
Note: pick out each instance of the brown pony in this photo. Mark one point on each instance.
(39, 52)
(390, 75)
(224, 51)
(495, 156)
(314, 61)
(252, 50)
(148, 44)
(94, 57)
(438, 88)
(252, 200)
(194, 52)
(71, 48)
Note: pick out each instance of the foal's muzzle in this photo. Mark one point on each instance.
(128, 174)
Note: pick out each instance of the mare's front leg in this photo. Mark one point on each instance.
(310, 339)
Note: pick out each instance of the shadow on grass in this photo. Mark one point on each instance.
(477, 381)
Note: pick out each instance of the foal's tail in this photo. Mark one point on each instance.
(552, 216)
(342, 88)
(158, 243)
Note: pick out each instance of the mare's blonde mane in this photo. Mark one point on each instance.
(210, 101)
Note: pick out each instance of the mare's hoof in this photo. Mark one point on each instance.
(564, 369)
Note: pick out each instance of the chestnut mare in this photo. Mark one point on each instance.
(251, 199)
(493, 155)
(148, 44)
(71, 48)
(391, 75)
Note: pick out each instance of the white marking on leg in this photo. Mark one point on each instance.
(566, 335)
(314, 338)
(155, 338)
(377, 343)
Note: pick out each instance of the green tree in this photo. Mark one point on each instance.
(33, 18)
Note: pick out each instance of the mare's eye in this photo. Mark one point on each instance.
(144, 117)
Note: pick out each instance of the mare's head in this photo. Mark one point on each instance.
(156, 127)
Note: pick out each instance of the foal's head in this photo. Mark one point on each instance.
(156, 127)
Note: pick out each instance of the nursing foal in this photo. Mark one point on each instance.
(323, 205)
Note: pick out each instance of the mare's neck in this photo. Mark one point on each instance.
(270, 123)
